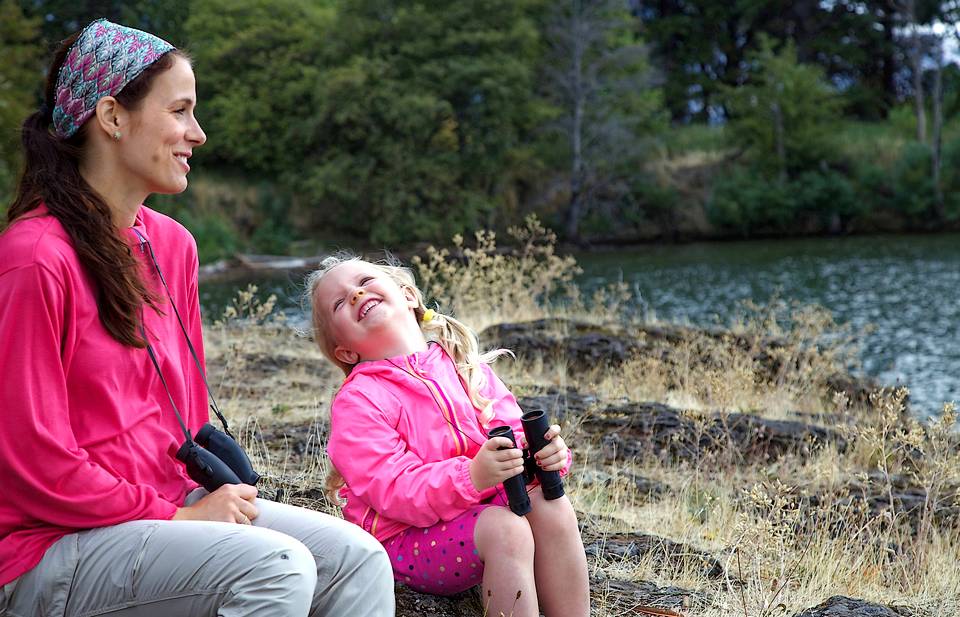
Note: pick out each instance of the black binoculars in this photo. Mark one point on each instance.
(213, 459)
(535, 426)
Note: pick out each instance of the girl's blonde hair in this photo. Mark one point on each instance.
(457, 339)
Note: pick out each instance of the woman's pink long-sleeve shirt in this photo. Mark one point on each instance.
(403, 432)
(87, 433)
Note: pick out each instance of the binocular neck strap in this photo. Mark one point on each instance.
(214, 406)
(156, 365)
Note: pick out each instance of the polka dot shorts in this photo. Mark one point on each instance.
(442, 559)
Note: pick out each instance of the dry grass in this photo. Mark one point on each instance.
(483, 286)
(782, 552)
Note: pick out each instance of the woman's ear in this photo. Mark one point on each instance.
(347, 356)
(111, 117)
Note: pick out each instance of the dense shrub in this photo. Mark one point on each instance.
(912, 182)
(825, 193)
(747, 202)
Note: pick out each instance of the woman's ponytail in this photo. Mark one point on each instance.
(51, 176)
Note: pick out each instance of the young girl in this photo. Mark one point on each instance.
(408, 435)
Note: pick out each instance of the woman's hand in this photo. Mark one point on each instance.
(231, 503)
(553, 456)
(491, 465)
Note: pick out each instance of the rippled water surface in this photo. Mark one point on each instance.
(907, 287)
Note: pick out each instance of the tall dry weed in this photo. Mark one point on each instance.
(485, 284)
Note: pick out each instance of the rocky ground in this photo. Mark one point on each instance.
(628, 439)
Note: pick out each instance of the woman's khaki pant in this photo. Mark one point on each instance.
(290, 562)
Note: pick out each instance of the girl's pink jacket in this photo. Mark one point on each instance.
(403, 433)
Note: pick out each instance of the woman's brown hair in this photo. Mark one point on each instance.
(51, 175)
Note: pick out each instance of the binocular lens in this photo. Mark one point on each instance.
(204, 468)
(215, 459)
(515, 487)
(228, 451)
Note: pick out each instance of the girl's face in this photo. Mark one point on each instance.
(163, 133)
(365, 311)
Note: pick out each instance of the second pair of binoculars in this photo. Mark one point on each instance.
(535, 426)
(213, 459)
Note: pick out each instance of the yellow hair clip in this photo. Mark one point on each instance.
(428, 315)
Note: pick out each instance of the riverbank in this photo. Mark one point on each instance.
(244, 265)
(717, 472)
(898, 293)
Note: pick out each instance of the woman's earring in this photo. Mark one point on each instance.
(116, 136)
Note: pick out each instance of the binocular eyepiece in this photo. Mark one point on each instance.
(535, 426)
(213, 459)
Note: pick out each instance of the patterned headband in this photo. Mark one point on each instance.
(102, 61)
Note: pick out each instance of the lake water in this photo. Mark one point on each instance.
(906, 287)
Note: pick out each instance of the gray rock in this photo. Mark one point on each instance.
(620, 597)
(666, 554)
(560, 403)
(581, 344)
(876, 496)
(646, 488)
(842, 606)
(411, 603)
(642, 430)
(585, 346)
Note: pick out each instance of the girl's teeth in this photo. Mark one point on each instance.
(368, 307)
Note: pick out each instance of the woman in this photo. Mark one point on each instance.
(97, 516)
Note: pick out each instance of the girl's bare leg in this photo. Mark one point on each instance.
(505, 545)
(560, 563)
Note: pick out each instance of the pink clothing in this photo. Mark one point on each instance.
(88, 436)
(442, 559)
(403, 432)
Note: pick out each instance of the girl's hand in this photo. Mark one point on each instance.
(553, 456)
(231, 503)
(491, 465)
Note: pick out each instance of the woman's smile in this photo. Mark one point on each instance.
(182, 159)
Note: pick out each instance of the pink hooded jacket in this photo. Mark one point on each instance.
(403, 433)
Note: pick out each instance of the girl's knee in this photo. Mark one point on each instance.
(502, 532)
(552, 517)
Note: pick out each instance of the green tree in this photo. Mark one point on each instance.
(598, 77)
(421, 111)
(703, 45)
(20, 84)
(393, 121)
(782, 116)
(60, 18)
(257, 64)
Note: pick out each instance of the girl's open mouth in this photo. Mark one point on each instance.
(366, 307)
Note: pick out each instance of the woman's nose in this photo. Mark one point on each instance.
(197, 136)
(356, 297)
